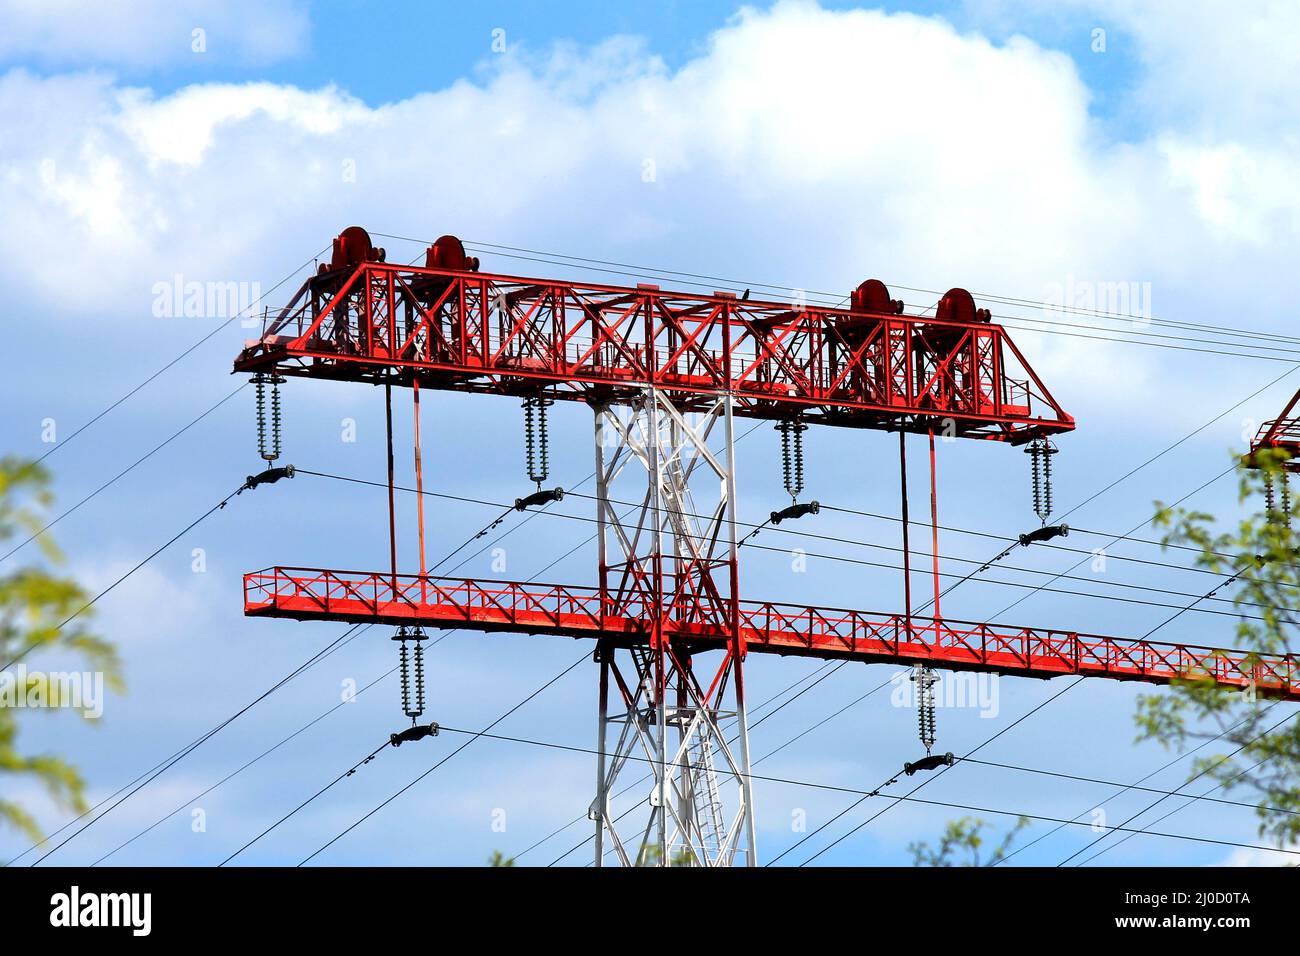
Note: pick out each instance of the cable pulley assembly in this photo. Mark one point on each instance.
(1040, 452)
(268, 477)
(925, 679)
(930, 762)
(537, 439)
(413, 733)
(416, 636)
(268, 444)
(792, 455)
(795, 511)
(1046, 533)
(539, 498)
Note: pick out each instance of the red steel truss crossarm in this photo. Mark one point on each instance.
(1283, 434)
(451, 327)
(766, 627)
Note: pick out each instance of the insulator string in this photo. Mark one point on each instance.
(792, 470)
(537, 441)
(1040, 452)
(925, 707)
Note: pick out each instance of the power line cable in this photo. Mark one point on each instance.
(172, 540)
(556, 561)
(1191, 780)
(1043, 587)
(747, 541)
(346, 773)
(1119, 793)
(1068, 687)
(317, 719)
(1191, 800)
(867, 794)
(369, 813)
(1133, 786)
(159, 769)
(182, 355)
(622, 268)
(129, 468)
(234, 773)
(928, 780)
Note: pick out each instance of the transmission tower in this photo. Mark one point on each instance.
(666, 375)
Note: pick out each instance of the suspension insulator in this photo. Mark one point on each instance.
(925, 679)
(1285, 500)
(411, 708)
(259, 389)
(419, 678)
(268, 446)
(404, 667)
(1040, 452)
(537, 443)
(1270, 500)
(792, 456)
(276, 382)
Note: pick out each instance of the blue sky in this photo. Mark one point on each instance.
(981, 144)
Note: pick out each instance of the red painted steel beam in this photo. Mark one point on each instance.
(451, 328)
(766, 627)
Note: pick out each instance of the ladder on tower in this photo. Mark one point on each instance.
(707, 809)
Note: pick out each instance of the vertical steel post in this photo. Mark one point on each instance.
(600, 807)
(419, 483)
(737, 648)
(392, 503)
(654, 448)
(907, 548)
(934, 530)
(602, 503)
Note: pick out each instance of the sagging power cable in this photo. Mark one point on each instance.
(756, 528)
(241, 314)
(158, 770)
(1077, 680)
(333, 648)
(1054, 326)
(121, 474)
(1201, 773)
(368, 814)
(240, 769)
(345, 774)
(157, 551)
(907, 798)
(1191, 800)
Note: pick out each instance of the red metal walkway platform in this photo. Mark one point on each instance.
(765, 627)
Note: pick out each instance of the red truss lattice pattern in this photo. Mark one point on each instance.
(478, 332)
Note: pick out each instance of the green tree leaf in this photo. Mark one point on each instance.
(34, 601)
(1255, 748)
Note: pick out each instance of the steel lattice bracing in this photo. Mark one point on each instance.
(663, 563)
(765, 628)
(467, 331)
